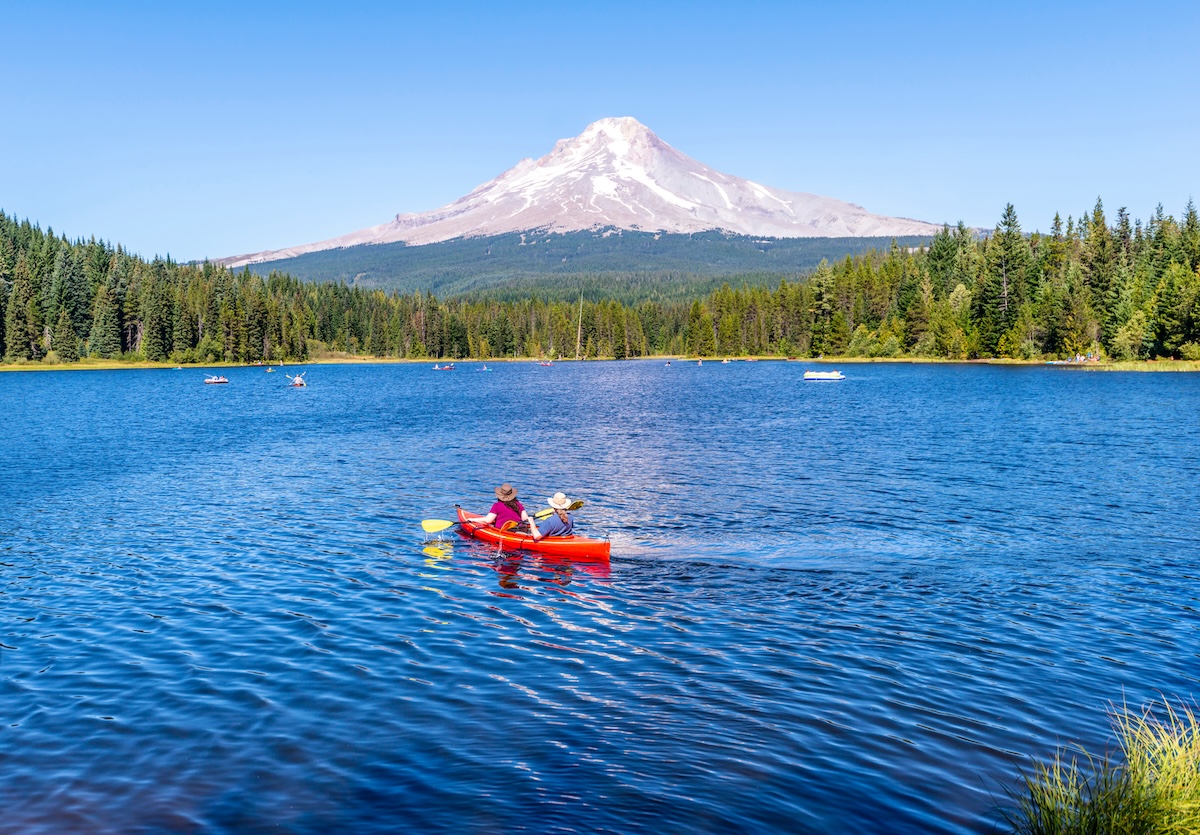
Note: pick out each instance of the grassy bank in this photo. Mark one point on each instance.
(342, 358)
(1147, 365)
(90, 364)
(1104, 365)
(1151, 784)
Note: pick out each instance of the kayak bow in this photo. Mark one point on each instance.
(563, 546)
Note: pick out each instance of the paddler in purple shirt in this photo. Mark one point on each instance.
(559, 522)
(506, 509)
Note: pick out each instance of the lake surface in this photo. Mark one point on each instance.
(830, 607)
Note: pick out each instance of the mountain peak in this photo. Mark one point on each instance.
(618, 173)
(620, 136)
(624, 128)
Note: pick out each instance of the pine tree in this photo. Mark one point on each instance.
(1124, 237)
(940, 260)
(54, 293)
(183, 327)
(692, 330)
(6, 270)
(1008, 259)
(41, 267)
(1099, 259)
(20, 332)
(620, 338)
(1052, 251)
(105, 338)
(706, 339)
(822, 310)
(729, 341)
(156, 320)
(1190, 236)
(66, 342)
(78, 293)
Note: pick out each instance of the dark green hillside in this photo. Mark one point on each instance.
(606, 262)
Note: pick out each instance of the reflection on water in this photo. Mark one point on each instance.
(524, 567)
(852, 607)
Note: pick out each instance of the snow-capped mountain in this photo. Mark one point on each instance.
(617, 173)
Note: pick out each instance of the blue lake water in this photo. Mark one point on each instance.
(855, 606)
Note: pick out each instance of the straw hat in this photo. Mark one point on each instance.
(559, 502)
(506, 492)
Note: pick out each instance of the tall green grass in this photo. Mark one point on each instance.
(1149, 785)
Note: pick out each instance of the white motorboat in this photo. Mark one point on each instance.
(823, 376)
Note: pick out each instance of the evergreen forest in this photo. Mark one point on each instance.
(647, 265)
(1118, 288)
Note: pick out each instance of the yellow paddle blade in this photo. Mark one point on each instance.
(545, 512)
(435, 525)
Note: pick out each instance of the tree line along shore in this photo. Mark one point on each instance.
(1122, 291)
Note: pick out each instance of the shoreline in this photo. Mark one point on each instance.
(90, 364)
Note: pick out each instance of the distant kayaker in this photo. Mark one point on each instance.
(506, 509)
(559, 523)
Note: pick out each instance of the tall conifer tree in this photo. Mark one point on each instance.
(1007, 258)
(105, 338)
(19, 326)
(66, 342)
(1191, 236)
(6, 273)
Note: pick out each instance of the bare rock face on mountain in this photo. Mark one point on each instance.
(617, 173)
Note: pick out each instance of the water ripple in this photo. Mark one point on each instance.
(850, 608)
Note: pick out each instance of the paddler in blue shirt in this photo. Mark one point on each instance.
(559, 522)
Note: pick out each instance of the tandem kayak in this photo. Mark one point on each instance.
(563, 546)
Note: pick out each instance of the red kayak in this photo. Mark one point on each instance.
(563, 546)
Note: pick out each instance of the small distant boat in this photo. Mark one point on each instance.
(823, 376)
(297, 382)
(546, 364)
(270, 370)
(213, 379)
(725, 361)
(447, 367)
(485, 368)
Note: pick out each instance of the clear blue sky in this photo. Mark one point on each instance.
(219, 128)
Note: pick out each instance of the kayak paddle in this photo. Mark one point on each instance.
(545, 513)
(432, 526)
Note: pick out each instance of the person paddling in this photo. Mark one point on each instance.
(558, 523)
(506, 509)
